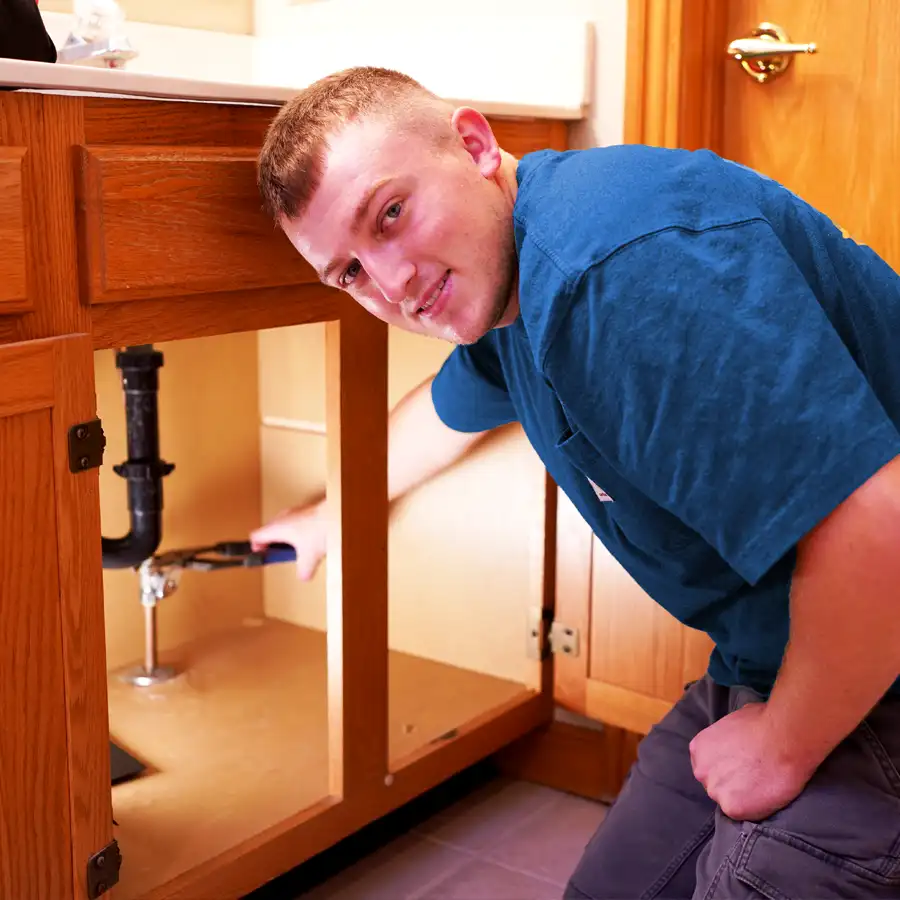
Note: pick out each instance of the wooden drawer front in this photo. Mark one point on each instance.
(158, 222)
(13, 289)
(521, 136)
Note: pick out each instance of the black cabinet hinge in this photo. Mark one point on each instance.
(103, 870)
(86, 445)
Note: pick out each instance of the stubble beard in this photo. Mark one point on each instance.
(501, 297)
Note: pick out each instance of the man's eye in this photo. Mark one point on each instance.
(393, 211)
(350, 273)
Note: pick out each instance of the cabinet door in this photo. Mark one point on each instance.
(633, 658)
(54, 754)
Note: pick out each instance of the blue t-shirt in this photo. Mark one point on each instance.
(711, 354)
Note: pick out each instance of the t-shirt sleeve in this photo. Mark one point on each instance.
(702, 366)
(469, 392)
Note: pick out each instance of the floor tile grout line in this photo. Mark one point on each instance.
(473, 854)
(440, 879)
(466, 855)
(505, 835)
(483, 857)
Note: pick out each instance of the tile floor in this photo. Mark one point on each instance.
(502, 840)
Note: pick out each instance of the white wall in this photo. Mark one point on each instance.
(231, 16)
(608, 18)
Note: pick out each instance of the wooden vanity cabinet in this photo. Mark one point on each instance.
(133, 221)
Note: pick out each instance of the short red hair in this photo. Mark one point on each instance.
(292, 158)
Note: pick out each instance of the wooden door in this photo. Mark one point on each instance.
(55, 806)
(633, 658)
(827, 128)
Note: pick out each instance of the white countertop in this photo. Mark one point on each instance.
(78, 79)
(541, 68)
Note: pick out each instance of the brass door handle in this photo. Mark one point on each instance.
(767, 52)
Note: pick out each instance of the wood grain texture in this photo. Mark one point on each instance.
(521, 136)
(35, 851)
(624, 708)
(573, 603)
(204, 315)
(27, 383)
(636, 645)
(13, 285)
(829, 127)
(81, 600)
(49, 126)
(356, 567)
(159, 123)
(157, 222)
(589, 762)
(673, 85)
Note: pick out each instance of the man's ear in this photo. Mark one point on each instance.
(478, 139)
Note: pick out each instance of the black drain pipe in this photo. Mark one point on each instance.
(143, 470)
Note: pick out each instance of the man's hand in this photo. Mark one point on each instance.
(744, 767)
(305, 529)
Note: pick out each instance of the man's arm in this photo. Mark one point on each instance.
(843, 654)
(844, 647)
(420, 446)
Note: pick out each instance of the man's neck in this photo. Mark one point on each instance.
(506, 175)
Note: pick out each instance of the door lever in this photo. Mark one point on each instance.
(767, 52)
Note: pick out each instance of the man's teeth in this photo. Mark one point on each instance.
(435, 294)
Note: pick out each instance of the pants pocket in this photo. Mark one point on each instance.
(781, 866)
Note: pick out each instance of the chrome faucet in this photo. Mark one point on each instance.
(112, 53)
(98, 36)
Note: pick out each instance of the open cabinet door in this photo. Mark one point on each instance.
(633, 658)
(55, 808)
(827, 127)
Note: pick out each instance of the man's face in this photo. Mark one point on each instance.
(420, 235)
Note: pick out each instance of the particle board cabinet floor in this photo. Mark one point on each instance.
(239, 742)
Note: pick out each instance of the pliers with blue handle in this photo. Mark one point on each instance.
(225, 555)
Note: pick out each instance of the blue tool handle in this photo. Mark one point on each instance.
(278, 553)
(274, 553)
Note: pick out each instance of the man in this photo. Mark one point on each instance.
(709, 369)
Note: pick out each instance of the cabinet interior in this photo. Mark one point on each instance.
(238, 742)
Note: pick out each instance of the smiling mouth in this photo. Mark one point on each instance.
(426, 307)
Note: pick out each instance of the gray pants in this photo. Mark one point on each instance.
(664, 837)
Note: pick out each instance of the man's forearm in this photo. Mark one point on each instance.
(844, 647)
(420, 445)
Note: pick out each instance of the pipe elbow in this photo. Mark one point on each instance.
(139, 544)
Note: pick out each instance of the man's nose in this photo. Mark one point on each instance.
(393, 277)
